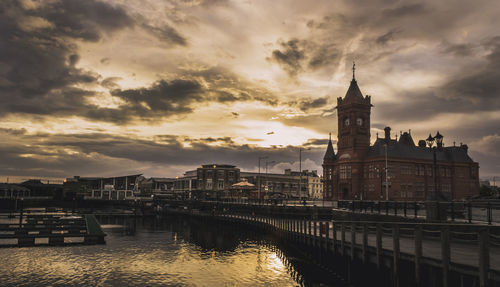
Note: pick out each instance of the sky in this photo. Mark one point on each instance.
(107, 88)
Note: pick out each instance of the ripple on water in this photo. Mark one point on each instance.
(146, 259)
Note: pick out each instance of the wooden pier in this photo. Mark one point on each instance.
(386, 253)
(52, 229)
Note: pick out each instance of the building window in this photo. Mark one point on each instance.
(406, 169)
(371, 171)
(359, 121)
(345, 171)
(220, 184)
(390, 171)
(420, 189)
(209, 173)
(220, 173)
(448, 172)
(428, 171)
(430, 188)
(421, 170)
(209, 183)
(446, 187)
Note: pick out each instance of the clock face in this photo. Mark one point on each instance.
(346, 122)
(359, 121)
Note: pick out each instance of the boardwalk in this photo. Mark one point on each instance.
(459, 248)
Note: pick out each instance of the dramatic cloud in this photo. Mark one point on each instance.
(157, 87)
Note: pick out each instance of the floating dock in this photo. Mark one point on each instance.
(49, 229)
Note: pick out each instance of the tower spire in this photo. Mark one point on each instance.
(330, 134)
(353, 70)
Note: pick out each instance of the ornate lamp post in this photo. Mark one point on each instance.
(438, 138)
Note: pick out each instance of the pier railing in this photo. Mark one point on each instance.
(458, 253)
(452, 211)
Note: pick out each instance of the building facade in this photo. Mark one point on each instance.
(290, 184)
(392, 168)
(105, 188)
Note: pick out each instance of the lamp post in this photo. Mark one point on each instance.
(300, 171)
(258, 178)
(386, 176)
(438, 138)
(267, 185)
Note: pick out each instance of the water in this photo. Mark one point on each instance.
(167, 252)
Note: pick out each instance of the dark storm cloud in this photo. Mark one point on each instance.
(290, 57)
(38, 73)
(296, 56)
(166, 33)
(385, 38)
(99, 153)
(466, 92)
(317, 142)
(459, 50)
(308, 104)
(165, 97)
(110, 83)
(38, 63)
(404, 11)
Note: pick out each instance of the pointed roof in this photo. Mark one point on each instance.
(353, 93)
(330, 153)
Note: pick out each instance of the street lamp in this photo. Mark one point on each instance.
(300, 171)
(267, 185)
(439, 142)
(386, 176)
(258, 179)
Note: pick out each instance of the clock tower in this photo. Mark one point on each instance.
(353, 122)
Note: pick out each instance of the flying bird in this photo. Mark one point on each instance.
(270, 133)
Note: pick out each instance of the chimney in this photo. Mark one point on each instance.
(387, 131)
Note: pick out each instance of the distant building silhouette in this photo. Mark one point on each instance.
(358, 169)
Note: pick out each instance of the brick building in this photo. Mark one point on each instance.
(392, 168)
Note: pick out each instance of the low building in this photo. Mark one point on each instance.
(290, 184)
(106, 188)
(9, 190)
(156, 186)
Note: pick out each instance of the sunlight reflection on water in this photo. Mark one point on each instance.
(149, 258)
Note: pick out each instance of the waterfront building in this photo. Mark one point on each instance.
(392, 168)
(207, 181)
(9, 190)
(156, 186)
(106, 188)
(290, 184)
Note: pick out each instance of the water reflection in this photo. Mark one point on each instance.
(158, 252)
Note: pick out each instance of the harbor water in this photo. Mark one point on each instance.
(173, 251)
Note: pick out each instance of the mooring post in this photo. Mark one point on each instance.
(484, 257)
(365, 242)
(342, 239)
(353, 239)
(327, 235)
(304, 224)
(395, 253)
(334, 236)
(315, 234)
(489, 213)
(445, 253)
(418, 253)
(415, 209)
(310, 232)
(379, 245)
